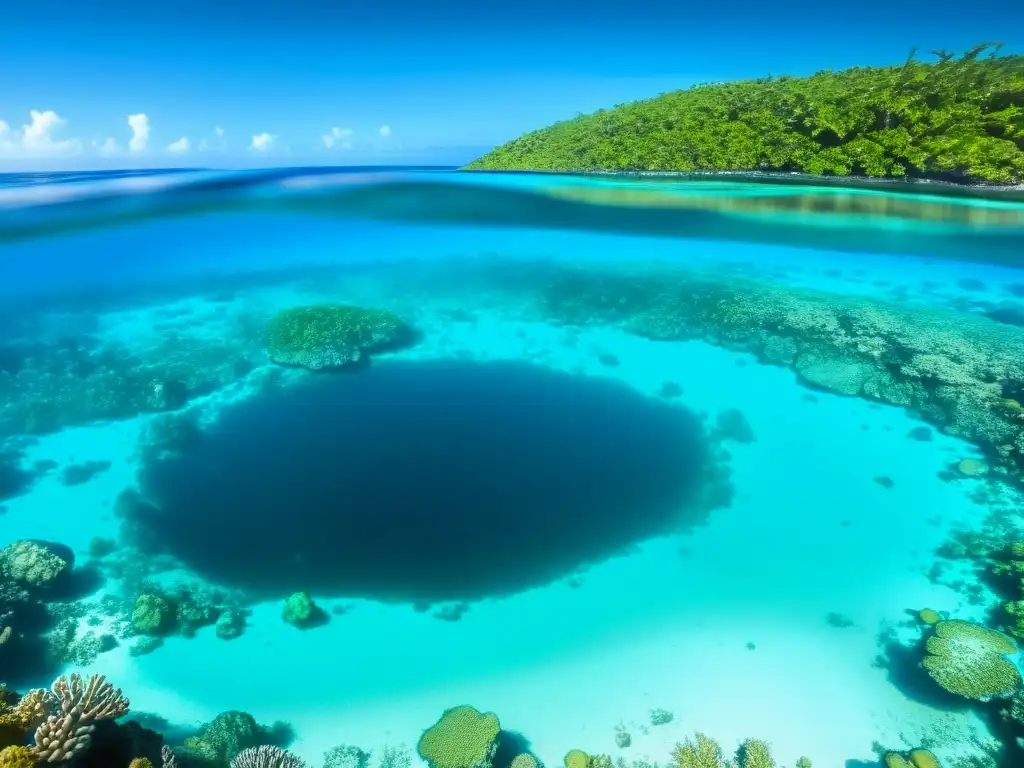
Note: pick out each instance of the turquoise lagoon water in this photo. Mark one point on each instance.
(656, 458)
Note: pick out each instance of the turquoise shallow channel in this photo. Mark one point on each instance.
(597, 470)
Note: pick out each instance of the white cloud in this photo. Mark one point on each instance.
(219, 131)
(36, 139)
(107, 148)
(140, 132)
(339, 136)
(180, 146)
(385, 131)
(261, 142)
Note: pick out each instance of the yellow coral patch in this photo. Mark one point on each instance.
(140, 762)
(577, 758)
(524, 761)
(922, 758)
(896, 760)
(17, 757)
(756, 754)
(928, 616)
(462, 738)
(972, 468)
(702, 752)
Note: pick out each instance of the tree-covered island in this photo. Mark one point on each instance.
(957, 118)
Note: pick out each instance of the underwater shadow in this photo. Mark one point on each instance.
(903, 665)
(424, 481)
(511, 744)
(14, 481)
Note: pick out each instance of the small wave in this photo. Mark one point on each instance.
(876, 219)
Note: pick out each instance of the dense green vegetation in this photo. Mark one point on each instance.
(959, 118)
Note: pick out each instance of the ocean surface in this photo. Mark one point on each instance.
(622, 461)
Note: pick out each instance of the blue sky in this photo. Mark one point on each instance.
(263, 83)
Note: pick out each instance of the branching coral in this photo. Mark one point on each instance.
(462, 738)
(704, 752)
(701, 752)
(755, 753)
(68, 733)
(266, 756)
(970, 660)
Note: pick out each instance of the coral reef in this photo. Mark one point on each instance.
(754, 753)
(928, 616)
(661, 717)
(230, 624)
(700, 752)
(704, 752)
(331, 335)
(68, 733)
(576, 758)
(346, 756)
(80, 380)
(524, 760)
(970, 660)
(462, 738)
(33, 564)
(266, 756)
(300, 610)
(918, 758)
(950, 368)
(227, 735)
(17, 757)
(1009, 567)
(152, 615)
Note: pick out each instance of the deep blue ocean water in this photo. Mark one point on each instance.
(652, 457)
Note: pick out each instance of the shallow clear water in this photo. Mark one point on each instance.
(648, 458)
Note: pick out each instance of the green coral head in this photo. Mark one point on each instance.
(524, 760)
(970, 660)
(754, 753)
(922, 758)
(576, 758)
(700, 752)
(464, 737)
(331, 335)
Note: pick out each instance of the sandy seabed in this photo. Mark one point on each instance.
(726, 626)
